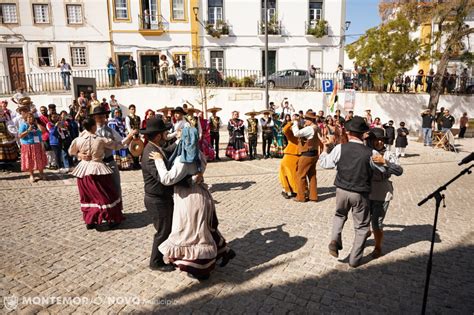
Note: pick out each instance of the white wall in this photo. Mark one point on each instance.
(398, 107)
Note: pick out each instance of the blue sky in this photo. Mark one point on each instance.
(363, 15)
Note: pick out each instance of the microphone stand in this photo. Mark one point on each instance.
(438, 198)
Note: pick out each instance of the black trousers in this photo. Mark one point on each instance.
(161, 212)
(253, 146)
(462, 131)
(136, 162)
(215, 142)
(267, 141)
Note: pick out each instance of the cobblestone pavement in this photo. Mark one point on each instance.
(282, 263)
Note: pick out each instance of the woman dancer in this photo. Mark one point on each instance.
(99, 199)
(122, 157)
(195, 243)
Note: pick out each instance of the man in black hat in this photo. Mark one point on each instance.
(355, 164)
(158, 198)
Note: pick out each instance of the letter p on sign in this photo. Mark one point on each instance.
(327, 86)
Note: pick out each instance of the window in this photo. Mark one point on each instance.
(121, 9)
(78, 56)
(183, 61)
(178, 9)
(45, 57)
(214, 11)
(74, 13)
(315, 12)
(8, 13)
(217, 60)
(271, 7)
(41, 13)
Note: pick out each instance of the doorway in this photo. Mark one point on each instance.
(149, 65)
(271, 62)
(123, 71)
(16, 68)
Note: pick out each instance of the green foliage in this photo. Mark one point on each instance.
(232, 81)
(320, 30)
(248, 81)
(221, 28)
(387, 49)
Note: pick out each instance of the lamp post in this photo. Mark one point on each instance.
(199, 64)
(266, 51)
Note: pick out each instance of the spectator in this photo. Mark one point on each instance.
(20, 93)
(429, 80)
(65, 73)
(419, 80)
(340, 77)
(164, 65)
(368, 117)
(451, 83)
(407, 84)
(111, 71)
(363, 79)
(389, 135)
(312, 77)
(439, 115)
(464, 76)
(94, 102)
(82, 100)
(402, 141)
(427, 125)
(33, 156)
(130, 66)
(146, 19)
(376, 123)
(178, 71)
(463, 124)
(447, 121)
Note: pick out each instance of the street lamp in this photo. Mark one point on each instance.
(195, 11)
(348, 23)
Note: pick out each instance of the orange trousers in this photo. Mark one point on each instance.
(306, 167)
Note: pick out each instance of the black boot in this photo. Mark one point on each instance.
(227, 257)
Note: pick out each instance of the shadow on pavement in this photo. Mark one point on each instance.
(393, 287)
(231, 186)
(326, 193)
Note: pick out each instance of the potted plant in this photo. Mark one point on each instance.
(233, 81)
(212, 31)
(223, 27)
(319, 30)
(248, 81)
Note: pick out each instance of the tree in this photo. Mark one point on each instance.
(449, 16)
(387, 49)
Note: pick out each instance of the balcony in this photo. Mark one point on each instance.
(217, 29)
(152, 25)
(317, 28)
(274, 27)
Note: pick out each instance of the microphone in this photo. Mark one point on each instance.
(467, 159)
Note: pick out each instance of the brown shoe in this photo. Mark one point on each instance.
(297, 200)
(376, 253)
(334, 249)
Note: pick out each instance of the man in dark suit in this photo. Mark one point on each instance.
(158, 198)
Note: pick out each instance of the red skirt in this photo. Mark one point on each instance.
(33, 157)
(99, 200)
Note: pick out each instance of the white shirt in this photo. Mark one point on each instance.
(306, 132)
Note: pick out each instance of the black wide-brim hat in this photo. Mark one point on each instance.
(377, 133)
(179, 109)
(155, 125)
(100, 110)
(356, 124)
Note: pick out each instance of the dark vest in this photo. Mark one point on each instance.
(309, 145)
(353, 169)
(134, 122)
(252, 126)
(154, 188)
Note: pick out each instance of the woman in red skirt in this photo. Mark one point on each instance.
(99, 199)
(33, 156)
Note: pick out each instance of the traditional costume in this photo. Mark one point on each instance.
(100, 200)
(133, 123)
(205, 140)
(237, 148)
(8, 146)
(266, 124)
(287, 174)
(122, 156)
(195, 243)
(253, 130)
(277, 146)
(215, 124)
(308, 144)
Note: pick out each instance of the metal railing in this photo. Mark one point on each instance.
(217, 28)
(153, 23)
(274, 27)
(237, 78)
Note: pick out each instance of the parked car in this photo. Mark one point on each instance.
(292, 78)
(191, 77)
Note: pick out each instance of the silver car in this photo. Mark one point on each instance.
(292, 78)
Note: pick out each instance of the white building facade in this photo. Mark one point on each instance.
(36, 34)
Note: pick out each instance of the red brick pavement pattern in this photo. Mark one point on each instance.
(282, 264)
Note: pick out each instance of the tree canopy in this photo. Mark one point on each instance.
(387, 49)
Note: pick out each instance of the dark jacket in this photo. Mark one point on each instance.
(153, 187)
(402, 140)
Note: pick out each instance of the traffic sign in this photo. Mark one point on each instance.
(327, 86)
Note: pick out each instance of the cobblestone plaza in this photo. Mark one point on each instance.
(51, 264)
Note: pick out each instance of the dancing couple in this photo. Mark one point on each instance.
(182, 208)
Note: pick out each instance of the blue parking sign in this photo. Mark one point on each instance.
(327, 86)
